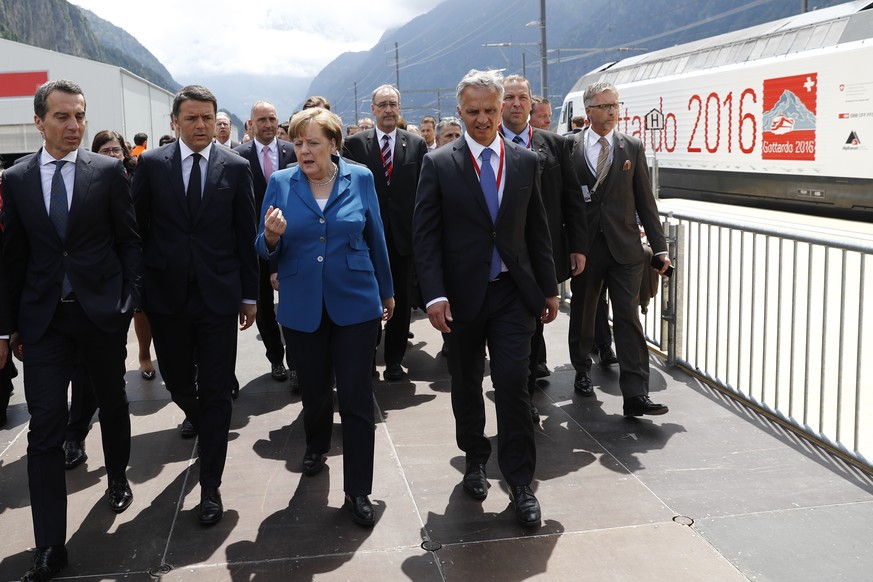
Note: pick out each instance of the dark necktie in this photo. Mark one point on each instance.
(194, 192)
(489, 188)
(59, 213)
(386, 157)
(517, 139)
(601, 162)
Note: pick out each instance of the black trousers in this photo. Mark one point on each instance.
(346, 353)
(397, 328)
(623, 282)
(196, 351)
(602, 333)
(49, 365)
(83, 405)
(265, 318)
(506, 327)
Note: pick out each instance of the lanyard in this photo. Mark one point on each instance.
(499, 170)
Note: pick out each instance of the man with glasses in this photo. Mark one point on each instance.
(394, 156)
(615, 186)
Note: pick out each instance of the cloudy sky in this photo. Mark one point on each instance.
(277, 37)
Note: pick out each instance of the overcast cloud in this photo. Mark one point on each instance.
(274, 37)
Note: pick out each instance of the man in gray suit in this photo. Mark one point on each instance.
(616, 188)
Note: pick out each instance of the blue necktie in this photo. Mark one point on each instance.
(59, 213)
(489, 188)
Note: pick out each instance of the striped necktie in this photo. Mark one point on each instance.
(386, 157)
(602, 170)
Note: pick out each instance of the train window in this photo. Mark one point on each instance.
(818, 36)
(772, 45)
(801, 40)
(656, 69)
(786, 43)
(745, 51)
(711, 58)
(722, 57)
(733, 52)
(669, 67)
(625, 75)
(759, 48)
(682, 64)
(835, 32)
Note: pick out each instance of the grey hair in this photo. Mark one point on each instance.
(489, 79)
(596, 89)
(40, 99)
(446, 121)
(380, 88)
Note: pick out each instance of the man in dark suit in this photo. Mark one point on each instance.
(394, 156)
(222, 131)
(616, 188)
(71, 258)
(484, 261)
(562, 199)
(196, 212)
(266, 154)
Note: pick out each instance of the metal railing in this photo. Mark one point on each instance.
(779, 318)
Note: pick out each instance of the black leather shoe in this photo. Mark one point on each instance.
(47, 562)
(312, 463)
(211, 509)
(640, 405)
(393, 372)
(582, 384)
(542, 370)
(188, 431)
(362, 510)
(120, 495)
(475, 481)
(527, 508)
(607, 356)
(534, 414)
(74, 454)
(279, 373)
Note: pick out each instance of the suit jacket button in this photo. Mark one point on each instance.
(65, 253)
(321, 239)
(493, 235)
(320, 259)
(320, 221)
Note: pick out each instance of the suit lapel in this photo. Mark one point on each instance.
(285, 155)
(81, 186)
(174, 172)
(464, 164)
(35, 203)
(214, 173)
(399, 150)
(343, 183)
(375, 153)
(619, 157)
(512, 175)
(299, 189)
(255, 162)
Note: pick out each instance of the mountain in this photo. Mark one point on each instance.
(790, 106)
(62, 27)
(437, 48)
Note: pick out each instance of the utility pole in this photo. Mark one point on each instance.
(355, 120)
(544, 76)
(397, 64)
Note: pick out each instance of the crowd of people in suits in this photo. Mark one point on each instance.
(473, 219)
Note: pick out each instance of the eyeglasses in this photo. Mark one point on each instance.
(607, 106)
(110, 151)
(385, 104)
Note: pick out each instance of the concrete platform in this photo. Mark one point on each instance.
(711, 491)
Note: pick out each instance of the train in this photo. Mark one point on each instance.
(779, 115)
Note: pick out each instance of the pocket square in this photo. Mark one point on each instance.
(627, 165)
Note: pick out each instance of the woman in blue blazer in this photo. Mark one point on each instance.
(322, 229)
